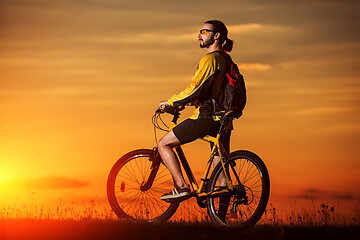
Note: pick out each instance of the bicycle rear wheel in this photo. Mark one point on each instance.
(124, 192)
(245, 205)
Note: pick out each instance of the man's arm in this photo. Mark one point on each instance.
(208, 67)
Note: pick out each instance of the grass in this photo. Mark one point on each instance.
(188, 212)
(111, 229)
(91, 221)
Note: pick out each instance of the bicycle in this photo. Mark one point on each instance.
(139, 178)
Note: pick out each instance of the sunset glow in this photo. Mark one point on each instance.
(80, 80)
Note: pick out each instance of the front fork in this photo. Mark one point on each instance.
(156, 161)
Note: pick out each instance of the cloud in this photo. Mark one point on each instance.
(143, 38)
(314, 193)
(344, 197)
(260, 28)
(46, 182)
(254, 66)
(244, 28)
(324, 110)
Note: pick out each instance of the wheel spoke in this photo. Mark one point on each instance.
(247, 170)
(130, 199)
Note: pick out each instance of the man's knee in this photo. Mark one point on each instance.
(168, 140)
(161, 143)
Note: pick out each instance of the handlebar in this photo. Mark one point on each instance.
(168, 109)
(175, 111)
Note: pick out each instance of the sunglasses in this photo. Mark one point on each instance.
(205, 31)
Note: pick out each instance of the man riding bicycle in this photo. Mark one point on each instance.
(211, 69)
(237, 190)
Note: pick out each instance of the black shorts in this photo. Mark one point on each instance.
(192, 129)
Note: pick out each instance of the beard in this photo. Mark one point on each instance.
(207, 43)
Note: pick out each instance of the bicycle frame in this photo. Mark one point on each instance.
(199, 190)
(220, 188)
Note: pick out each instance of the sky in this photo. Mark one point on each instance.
(80, 81)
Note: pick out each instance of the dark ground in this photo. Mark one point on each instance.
(102, 229)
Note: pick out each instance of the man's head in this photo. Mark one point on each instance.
(207, 36)
(215, 32)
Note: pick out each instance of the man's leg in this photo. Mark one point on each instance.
(222, 178)
(225, 200)
(225, 140)
(165, 148)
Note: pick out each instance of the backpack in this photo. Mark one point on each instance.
(233, 96)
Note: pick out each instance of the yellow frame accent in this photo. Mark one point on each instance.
(217, 147)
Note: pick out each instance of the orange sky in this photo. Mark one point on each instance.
(80, 80)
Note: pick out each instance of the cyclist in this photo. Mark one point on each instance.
(202, 92)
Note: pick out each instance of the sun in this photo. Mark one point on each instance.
(6, 179)
(3, 176)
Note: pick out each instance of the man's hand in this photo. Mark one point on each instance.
(163, 105)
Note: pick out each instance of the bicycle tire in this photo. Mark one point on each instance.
(126, 198)
(254, 176)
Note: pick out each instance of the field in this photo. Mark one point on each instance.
(109, 229)
(31, 222)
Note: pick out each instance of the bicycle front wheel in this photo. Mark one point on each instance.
(125, 193)
(244, 205)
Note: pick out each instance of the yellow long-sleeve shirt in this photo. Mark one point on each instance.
(205, 86)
